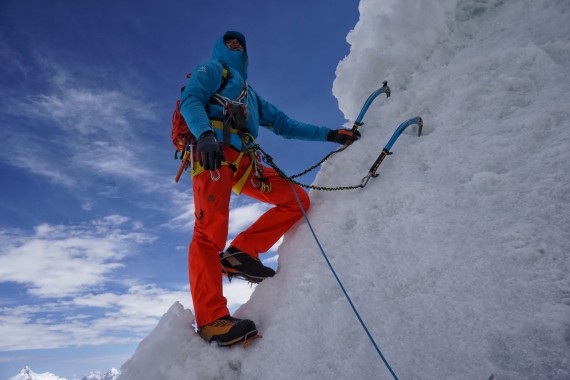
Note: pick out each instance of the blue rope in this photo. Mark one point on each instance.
(342, 287)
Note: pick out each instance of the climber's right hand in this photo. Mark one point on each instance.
(210, 154)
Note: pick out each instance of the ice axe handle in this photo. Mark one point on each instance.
(386, 151)
(374, 167)
(384, 89)
(185, 158)
(376, 164)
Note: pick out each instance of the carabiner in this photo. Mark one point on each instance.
(365, 180)
(213, 175)
(254, 183)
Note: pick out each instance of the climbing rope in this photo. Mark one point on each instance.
(342, 286)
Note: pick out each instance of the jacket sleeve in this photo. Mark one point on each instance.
(282, 125)
(202, 85)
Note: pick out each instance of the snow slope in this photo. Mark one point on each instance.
(112, 374)
(27, 374)
(457, 256)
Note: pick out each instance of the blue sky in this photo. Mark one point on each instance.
(94, 230)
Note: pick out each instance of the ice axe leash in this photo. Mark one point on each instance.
(357, 123)
(371, 172)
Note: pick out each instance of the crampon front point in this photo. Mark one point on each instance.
(248, 339)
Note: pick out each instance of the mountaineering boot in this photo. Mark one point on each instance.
(228, 330)
(236, 263)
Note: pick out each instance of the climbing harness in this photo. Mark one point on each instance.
(234, 113)
(255, 166)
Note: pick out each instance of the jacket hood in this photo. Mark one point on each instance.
(235, 60)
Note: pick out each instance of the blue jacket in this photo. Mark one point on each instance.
(206, 79)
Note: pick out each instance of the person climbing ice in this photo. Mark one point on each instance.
(224, 115)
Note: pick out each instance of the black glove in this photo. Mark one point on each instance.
(343, 136)
(210, 154)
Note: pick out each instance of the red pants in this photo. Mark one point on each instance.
(212, 206)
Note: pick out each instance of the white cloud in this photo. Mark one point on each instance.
(42, 167)
(114, 220)
(64, 268)
(60, 268)
(122, 318)
(183, 203)
(73, 128)
(90, 110)
(61, 261)
(137, 311)
(18, 332)
(276, 245)
(237, 293)
(242, 217)
(139, 300)
(12, 60)
(109, 158)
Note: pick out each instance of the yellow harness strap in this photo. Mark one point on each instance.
(218, 124)
(238, 187)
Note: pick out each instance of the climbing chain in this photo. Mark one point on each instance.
(269, 161)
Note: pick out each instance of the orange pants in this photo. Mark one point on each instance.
(212, 207)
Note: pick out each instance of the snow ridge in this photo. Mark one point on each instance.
(27, 374)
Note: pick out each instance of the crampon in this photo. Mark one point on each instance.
(251, 337)
(244, 340)
(240, 276)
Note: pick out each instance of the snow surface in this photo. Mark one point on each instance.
(27, 374)
(112, 374)
(457, 256)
